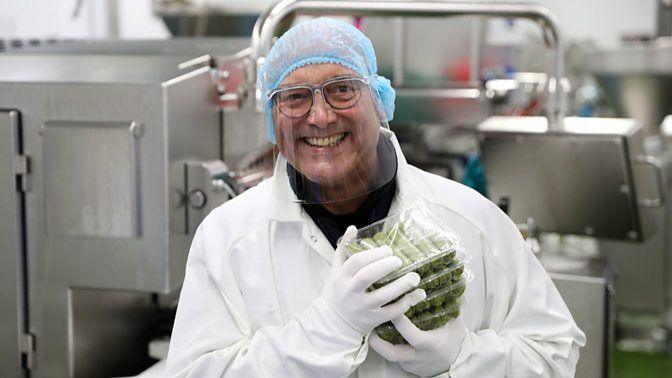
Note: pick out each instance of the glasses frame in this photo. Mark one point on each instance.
(317, 88)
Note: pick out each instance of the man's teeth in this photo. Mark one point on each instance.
(322, 142)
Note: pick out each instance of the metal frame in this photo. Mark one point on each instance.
(133, 127)
(268, 24)
(16, 346)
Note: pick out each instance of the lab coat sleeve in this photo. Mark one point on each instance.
(529, 331)
(213, 338)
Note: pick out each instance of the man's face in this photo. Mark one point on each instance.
(329, 146)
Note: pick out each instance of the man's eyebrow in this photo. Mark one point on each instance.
(336, 76)
(289, 85)
(341, 76)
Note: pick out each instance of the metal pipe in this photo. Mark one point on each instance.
(664, 13)
(556, 101)
(112, 19)
(399, 63)
(475, 49)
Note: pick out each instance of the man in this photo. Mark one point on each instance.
(265, 293)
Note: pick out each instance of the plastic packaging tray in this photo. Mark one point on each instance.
(436, 309)
(448, 276)
(418, 238)
(438, 299)
(425, 246)
(427, 322)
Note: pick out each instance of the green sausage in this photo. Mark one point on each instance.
(392, 238)
(382, 238)
(369, 243)
(407, 248)
(426, 247)
(355, 247)
(441, 242)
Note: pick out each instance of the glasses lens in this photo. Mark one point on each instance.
(343, 94)
(294, 102)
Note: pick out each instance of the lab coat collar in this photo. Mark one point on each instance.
(286, 208)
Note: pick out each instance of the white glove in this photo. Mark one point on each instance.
(428, 353)
(345, 291)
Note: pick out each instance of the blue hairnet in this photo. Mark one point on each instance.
(323, 40)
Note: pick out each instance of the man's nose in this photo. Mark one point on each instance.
(321, 113)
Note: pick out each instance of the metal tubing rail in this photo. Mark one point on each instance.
(268, 24)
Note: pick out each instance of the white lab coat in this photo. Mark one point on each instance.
(257, 266)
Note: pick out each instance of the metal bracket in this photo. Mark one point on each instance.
(205, 189)
(22, 170)
(27, 347)
(653, 162)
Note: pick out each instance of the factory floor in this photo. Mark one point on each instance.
(630, 364)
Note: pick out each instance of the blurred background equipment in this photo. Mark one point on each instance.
(152, 106)
(636, 78)
(636, 81)
(119, 151)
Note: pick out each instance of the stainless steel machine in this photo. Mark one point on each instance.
(591, 177)
(110, 163)
(588, 177)
(636, 80)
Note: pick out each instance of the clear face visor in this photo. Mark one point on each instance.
(330, 146)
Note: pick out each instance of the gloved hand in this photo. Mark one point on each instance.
(428, 353)
(345, 291)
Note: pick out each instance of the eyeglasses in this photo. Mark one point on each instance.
(297, 100)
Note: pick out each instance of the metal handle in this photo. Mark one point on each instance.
(268, 24)
(652, 161)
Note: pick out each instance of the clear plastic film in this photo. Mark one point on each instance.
(326, 105)
(425, 246)
(331, 155)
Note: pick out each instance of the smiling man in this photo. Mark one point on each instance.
(328, 136)
(269, 292)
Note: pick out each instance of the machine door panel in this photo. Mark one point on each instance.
(12, 250)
